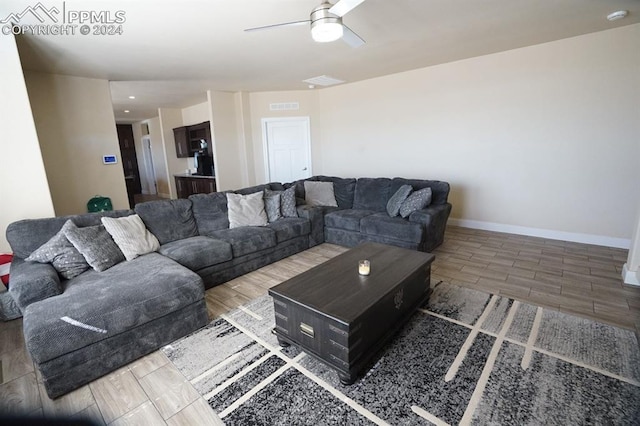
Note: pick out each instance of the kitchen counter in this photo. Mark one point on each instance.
(191, 175)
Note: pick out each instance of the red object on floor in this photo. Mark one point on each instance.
(5, 262)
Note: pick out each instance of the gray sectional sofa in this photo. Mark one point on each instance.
(79, 329)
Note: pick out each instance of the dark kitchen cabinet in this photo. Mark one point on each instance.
(188, 139)
(188, 185)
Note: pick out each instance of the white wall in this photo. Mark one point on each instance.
(76, 127)
(195, 114)
(540, 139)
(24, 190)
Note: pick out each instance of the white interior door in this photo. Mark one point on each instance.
(287, 144)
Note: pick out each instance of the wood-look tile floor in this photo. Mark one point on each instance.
(576, 278)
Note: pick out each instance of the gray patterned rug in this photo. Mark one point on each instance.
(467, 357)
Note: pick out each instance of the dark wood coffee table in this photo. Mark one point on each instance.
(344, 318)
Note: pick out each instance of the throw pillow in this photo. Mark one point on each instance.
(131, 236)
(396, 200)
(319, 194)
(288, 203)
(246, 210)
(5, 265)
(96, 245)
(272, 204)
(418, 200)
(62, 255)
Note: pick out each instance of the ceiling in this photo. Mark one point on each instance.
(171, 52)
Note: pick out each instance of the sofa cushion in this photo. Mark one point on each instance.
(197, 253)
(343, 189)
(372, 194)
(396, 200)
(381, 225)
(346, 219)
(168, 220)
(290, 227)
(247, 239)
(319, 194)
(96, 245)
(418, 200)
(246, 210)
(210, 212)
(91, 308)
(131, 236)
(59, 251)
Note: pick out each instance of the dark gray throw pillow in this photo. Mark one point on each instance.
(96, 245)
(62, 255)
(418, 200)
(396, 200)
(272, 204)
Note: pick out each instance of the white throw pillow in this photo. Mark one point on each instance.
(131, 235)
(319, 194)
(246, 210)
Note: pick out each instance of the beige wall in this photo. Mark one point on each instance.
(541, 140)
(308, 101)
(195, 114)
(170, 118)
(24, 191)
(229, 152)
(76, 127)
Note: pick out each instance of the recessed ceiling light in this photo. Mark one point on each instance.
(132, 97)
(127, 111)
(617, 15)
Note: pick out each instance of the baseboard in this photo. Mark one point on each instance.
(630, 277)
(598, 240)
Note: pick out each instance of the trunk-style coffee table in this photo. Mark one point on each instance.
(343, 318)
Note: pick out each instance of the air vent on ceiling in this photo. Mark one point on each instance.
(323, 80)
(284, 106)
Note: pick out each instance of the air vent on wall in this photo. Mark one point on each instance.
(323, 80)
(284, 106)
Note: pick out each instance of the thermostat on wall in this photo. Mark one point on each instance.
(109, 159)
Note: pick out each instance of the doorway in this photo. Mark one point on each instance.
(287, 146)
(151, 187)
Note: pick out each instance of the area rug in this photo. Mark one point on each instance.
(466, 357)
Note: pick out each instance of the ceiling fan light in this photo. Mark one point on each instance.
(324, 32)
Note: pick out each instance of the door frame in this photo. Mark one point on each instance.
(265, 141)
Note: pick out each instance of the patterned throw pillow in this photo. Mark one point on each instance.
(418, 200)
(319, 194)
(131, 235)
(96, 245)
(62, 255)
(272, 204)
(396, 200)
(246, 210)
(288, 203)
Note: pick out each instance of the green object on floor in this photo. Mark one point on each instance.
(99, 204)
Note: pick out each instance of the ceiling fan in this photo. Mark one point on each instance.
(326, 23)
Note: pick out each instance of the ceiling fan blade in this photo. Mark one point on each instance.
(351, 38)
(344, 6)
(286, 24)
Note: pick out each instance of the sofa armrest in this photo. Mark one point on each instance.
(316, 217)
(32, 281)
(434, 219)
